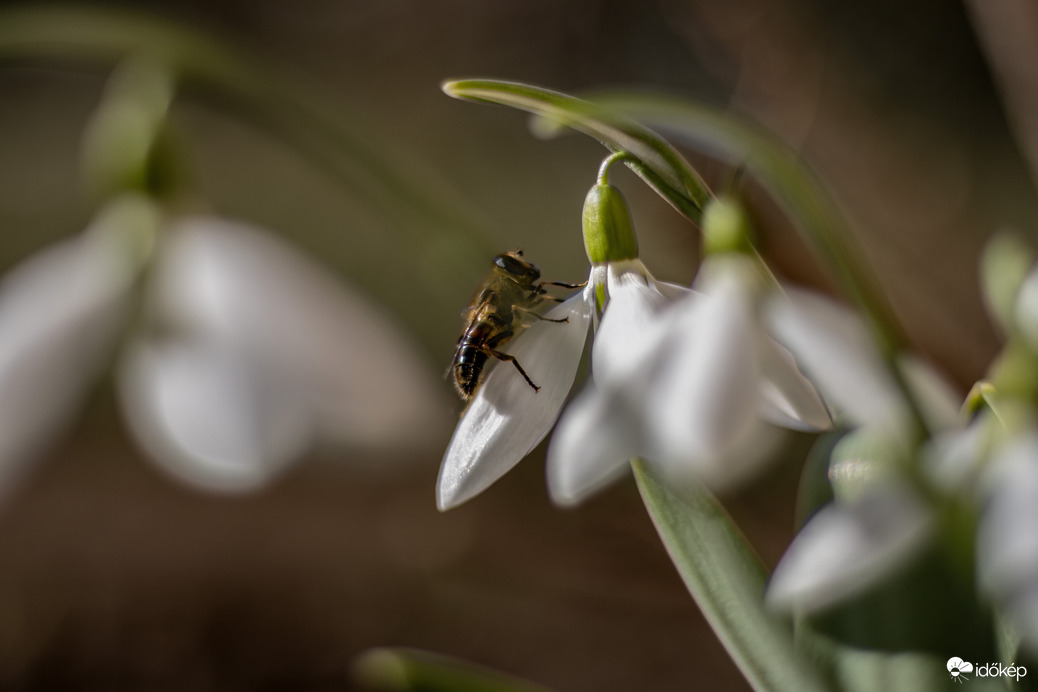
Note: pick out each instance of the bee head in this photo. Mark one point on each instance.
(514, 264)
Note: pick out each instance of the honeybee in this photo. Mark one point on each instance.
(501, 306)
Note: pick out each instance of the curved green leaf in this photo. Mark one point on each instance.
(727, 580)
(659, 164)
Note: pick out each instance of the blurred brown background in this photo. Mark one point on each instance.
(114, 577)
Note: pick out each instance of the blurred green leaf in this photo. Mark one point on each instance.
(727, 580)
(866, 671)
(658, 163)
(411, 670)
(815, 489)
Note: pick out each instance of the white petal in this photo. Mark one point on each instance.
(1007, 542)
(506, 418)
(367, 385)
(952, 457)
(1022, 611)
(785, 397)
(672, 291)
(847, 548)
(60, 311)
(747, 452)
(596, 436)
(1007, 539)
(834, 348)
(211, 418)
(704, 395)
(631, 328)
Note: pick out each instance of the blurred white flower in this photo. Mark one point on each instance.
(848, 547)
(686, 379)
(247, 355)
(1007, 537)
(60, 313)
(877, 523)
(256, 355)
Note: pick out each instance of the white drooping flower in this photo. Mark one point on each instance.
(506, 418)
(256, 356)
(246, 357)
(685, 378)
(60, 313)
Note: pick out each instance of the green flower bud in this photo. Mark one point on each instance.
(860, 460)
(608, 231)
(726, 227)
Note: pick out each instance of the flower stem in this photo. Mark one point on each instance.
(607, 162)
(727, 580)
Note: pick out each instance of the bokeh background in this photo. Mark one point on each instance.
(113, 576)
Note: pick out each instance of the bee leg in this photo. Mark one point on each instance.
(513, 361)
(563, 284)
(531, 313)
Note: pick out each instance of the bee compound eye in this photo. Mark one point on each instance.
(512, 265)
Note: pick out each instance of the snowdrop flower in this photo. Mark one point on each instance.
(1007, 544)
(687, 379)
(255, 355)
(506, 418)
(879, 522)
(60, 313)
(249, 355)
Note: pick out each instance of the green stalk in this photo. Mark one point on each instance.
(727, 581)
